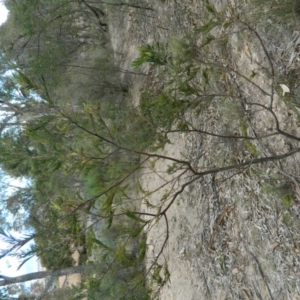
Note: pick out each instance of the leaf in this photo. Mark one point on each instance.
(130, 214)
(211, 9)
(109, 219)
(135, 232)
(284, 88)
(148, 204)
(208, 39)
(99, 243)
(166, 273)
(207, 27)
(182, 126)
(206, 76)
(138, 188)
(122, 192)
(173, 168)
(246, 49)
(227, 24)
(108, 202)
(121, 253)
(24, 81)
(143, 247)
(152, 164)
(156, 273)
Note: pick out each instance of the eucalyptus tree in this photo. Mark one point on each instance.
(5, 280)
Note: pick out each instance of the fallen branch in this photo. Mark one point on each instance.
(217, 225)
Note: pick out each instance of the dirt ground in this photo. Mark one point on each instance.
(232, 235)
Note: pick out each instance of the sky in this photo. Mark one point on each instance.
(8, 267)
(3, 13)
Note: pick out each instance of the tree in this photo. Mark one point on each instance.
(105, 144)
(39, 275)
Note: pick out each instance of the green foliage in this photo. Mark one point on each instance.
(287, 201)
(153, 54)
(55, 257)
(193, 81)
(161, 110)
(121, 262)
(279, 11)
(99, 243)
(252, 149)
(160, 274)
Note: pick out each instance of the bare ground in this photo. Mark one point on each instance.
(234, 234)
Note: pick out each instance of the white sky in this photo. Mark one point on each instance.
(9, 266)
(3, 13)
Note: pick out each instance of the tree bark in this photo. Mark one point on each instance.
(4, 280)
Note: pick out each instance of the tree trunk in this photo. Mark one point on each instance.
(4, 280)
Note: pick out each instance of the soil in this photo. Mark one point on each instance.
(234, 234)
